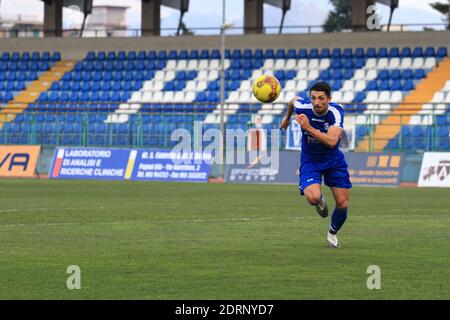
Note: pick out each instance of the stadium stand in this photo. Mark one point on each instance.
(125, 92)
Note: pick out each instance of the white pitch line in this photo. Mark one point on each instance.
(243, 219)
(49, 209)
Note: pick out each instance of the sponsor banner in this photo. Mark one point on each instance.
(257, 172)
(435, 170)
(129, 164)
(366, 169)
(19, 161)
(375, 169)
(160, 165)
(87, 163)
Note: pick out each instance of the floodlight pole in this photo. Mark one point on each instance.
(222, 90)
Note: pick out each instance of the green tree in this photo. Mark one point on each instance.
(443, 8)
(340, 18)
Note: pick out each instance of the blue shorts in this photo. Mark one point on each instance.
(334, 172)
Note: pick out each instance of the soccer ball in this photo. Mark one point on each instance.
(266, 88)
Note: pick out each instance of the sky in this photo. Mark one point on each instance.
(303, 12)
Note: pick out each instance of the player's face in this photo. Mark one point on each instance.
(320, 100)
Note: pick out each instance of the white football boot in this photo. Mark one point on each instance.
(332, 240)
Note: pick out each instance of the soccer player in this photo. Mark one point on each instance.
(322, 124)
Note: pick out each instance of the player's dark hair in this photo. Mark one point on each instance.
(321, 86)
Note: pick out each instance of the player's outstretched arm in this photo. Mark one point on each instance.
(287, 118)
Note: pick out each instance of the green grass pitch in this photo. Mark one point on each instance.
(136, 240)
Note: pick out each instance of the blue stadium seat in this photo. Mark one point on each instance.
(280, 54)
(382, 52)
(336, 53)
(442, 52)
(204, 54)
(193, 54)
(347, 53)
(406, 52)
(303, 54)
(417, 52)
(419, 74)
(314, 53)
(269, 54)
(394, 52)
(291, 54)
(429, 52)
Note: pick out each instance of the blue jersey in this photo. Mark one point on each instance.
(312, 148)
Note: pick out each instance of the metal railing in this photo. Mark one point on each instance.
(151, 125)
(40, 32)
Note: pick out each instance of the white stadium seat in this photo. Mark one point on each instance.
(192, 65)
(279, 64)
(430, 62)
(136, 97)
(396, 96)
(169, 75)
(313, 64)
(371, 63)
(371, 74)
(382, 63)
(171, 64)
(406, 63)
(268, 64)
(438, 97)
(203, 64)
(182, 65)
(348, 97)
(157, 96)
(337, 96)
(291, 64)
(301, 85)
(214, 64)
(302, 64)
(190, 96)
(158, 85)
(147, 97)
(290, 85)
(418, 63)
(394, 63)
(213, 75)
(360, 85)
(159, 75)
(313, 74)
(447, 86)
(360, 74)
(324, 64)
(372, 96)
(302, 74)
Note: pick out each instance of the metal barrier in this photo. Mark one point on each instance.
(151, 125)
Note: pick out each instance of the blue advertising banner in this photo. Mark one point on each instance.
(162, 165)
(130, 164)
(87, 163)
